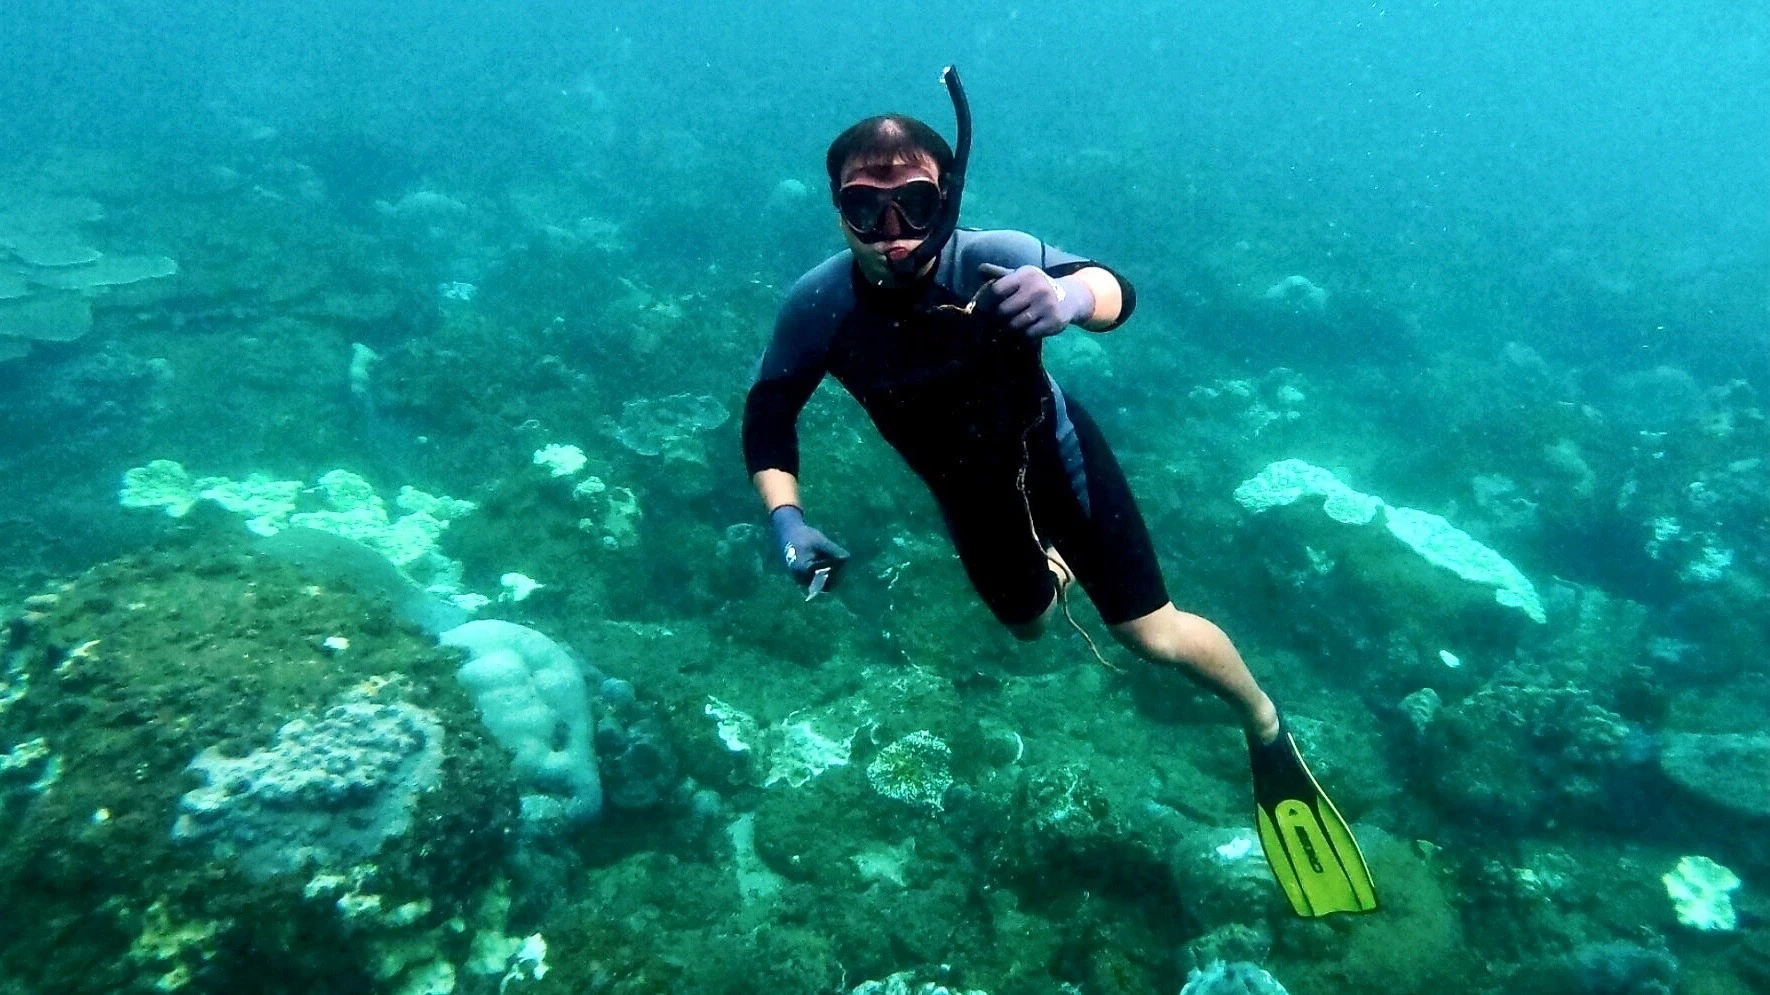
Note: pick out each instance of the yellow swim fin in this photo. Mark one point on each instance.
(1308, 844)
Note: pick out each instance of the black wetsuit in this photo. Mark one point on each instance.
(1013, 463)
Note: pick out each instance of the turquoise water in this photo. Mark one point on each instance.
(449, 310)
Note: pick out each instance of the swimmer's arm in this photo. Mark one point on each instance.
(1114, 297)
(778, 488)
(787, 376)
(1109, 298)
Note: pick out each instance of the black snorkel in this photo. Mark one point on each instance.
(910, 266)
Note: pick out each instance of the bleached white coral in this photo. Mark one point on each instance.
(916, 769)
(1702, 892)
(1433, 537)
(1292, 480)
(560, 460)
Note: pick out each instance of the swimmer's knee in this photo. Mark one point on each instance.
(1168, 635)
(1027, 632)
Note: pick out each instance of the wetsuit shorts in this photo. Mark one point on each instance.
(1076, 499)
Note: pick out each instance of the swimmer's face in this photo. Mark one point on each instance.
(893, 241)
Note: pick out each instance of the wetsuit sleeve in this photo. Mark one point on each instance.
(1014, 249)
(791, 369)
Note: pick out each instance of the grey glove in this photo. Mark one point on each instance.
(805, 550)
(1031, 301)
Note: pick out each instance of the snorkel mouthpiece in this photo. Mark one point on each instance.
(948, 219)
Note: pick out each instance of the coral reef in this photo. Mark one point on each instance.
(1238, 978)
(781, 796)
(1062, 834)
(326, 794)
(1223, 875)
(50, 279)
(533, 696)
(383, 784)
(639, 764)
(906, 983)
(1525, 754)
(670, 426)
(914, 770)
(1702, 891)
(348, 508)
(1431, 536)
(1622, 968)
(1722, 769)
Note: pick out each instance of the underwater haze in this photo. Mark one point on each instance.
(387, 607)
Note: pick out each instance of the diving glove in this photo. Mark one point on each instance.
(1033, 302)
(810, 556)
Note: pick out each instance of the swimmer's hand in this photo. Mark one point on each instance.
(1031, 301)
(805, 550)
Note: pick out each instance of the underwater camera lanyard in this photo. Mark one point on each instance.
(1032, 529)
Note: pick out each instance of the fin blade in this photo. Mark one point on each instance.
(1278, 858)
(1308, 844)
(1329, 880)
(1363, 897)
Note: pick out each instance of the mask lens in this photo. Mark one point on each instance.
(917, 203)
(863, 207)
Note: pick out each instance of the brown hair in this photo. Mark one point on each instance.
(886, 138)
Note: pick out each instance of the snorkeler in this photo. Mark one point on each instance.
(937, 333)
